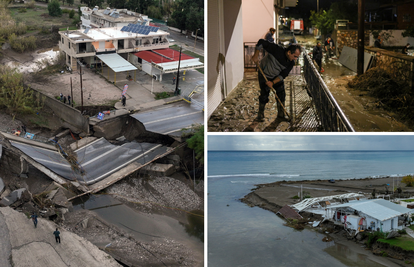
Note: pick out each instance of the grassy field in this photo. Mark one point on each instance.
(38, 17)
(405, 242)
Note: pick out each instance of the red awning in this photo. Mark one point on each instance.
(162, 55)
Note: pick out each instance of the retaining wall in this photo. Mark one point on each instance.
(70, 115)
(348, 38)
(398, 65)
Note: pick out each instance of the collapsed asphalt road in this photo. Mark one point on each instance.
(24, 245)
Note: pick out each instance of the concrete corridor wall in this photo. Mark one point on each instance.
(70, 115)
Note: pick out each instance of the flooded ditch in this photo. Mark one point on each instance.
(147, 228)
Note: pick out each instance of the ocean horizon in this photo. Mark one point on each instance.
(239, 235)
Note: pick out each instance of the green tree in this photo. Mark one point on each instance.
(408, 180)
(154, 12)
(133, 5)
(92, 3)
(71, 13)
(323, 20)
(196, 142)
(54, 8)
(70, 2)
(13, 95)
(409, 32)
(116, 3)
(188, 15)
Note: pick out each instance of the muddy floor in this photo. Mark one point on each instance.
(238, 111)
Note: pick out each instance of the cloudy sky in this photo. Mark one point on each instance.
(310, 142)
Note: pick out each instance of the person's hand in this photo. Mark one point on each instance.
(269, 83)
(255, 58)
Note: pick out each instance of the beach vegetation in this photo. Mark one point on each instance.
(404, 242)
(402, 232)
(295, 197)
(408, 180)
(373, 237)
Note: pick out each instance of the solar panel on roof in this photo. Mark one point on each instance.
(124, 29)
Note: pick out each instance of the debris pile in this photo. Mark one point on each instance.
(392, 94)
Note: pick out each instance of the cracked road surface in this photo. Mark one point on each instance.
(23, 245)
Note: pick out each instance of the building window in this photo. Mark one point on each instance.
(63, 40)
(407, 18)
(69, 45)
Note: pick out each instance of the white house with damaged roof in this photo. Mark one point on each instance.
(369, 215)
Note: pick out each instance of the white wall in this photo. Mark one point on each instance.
(396, 39)
(225, 50)
(258, 17)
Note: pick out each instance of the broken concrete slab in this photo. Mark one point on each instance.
(349, 58)
(95, 162)
(11, 137)
(51, 194)
(60, 199)
(5, 193)
(159, 169)
(12, 197)
(25, 247)
(83, 142)
(2, 186)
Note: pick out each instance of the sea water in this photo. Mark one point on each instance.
(242, 236)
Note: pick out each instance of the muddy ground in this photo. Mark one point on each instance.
(273, 196)
(238, 111)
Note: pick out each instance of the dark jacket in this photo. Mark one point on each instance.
(405, 50)
(329, 44)
(377, 43)
(317, 53)
(269, 37)
(276, 63)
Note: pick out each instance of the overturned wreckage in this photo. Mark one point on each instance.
(356, 213)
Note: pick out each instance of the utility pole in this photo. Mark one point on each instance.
(361, 36)
(178, 75)
(80, 72)
(195, 40)
(71, 91)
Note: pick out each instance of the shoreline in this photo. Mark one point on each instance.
(273, 196)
